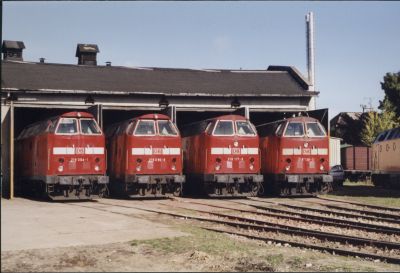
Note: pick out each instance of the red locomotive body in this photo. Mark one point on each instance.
(145, 157)
(295, 156)
(221, 156)
(63, 157)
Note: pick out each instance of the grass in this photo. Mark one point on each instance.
(229, 253)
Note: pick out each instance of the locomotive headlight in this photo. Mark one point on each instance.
(173, 166)
(305, 144)
(322, 160)
(321, 167)
(218, 164)
(252, 163)
(61, 160)
(60, 168)
(96, 168)
(138, 164)
(287, 167)
(97, 160)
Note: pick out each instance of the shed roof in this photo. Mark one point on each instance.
(170, 81)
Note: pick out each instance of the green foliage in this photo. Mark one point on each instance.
(391, 87)
(374, 123)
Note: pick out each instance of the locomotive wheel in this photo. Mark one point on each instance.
(178, 190)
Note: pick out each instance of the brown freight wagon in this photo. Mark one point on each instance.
(356, 162)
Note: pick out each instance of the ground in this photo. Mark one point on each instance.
(97, 236)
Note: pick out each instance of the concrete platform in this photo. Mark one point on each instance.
(29, 224)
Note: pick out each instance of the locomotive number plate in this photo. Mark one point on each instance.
(306, 151)
(236, 151)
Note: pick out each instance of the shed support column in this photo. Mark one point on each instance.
(171, 112)
(11, 150)
(243, 111)
(97, 111)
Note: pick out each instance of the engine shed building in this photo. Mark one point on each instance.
(32, 91)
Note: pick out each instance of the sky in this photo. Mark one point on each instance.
(356, 43)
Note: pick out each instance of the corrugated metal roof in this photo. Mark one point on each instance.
(172, 81)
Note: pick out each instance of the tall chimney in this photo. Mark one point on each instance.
(86, 54)
(12, 50)
(310, 50)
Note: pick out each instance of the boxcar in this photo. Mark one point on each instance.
(63, 157)
(145, 158)
(357, 162)
(221, 157)
(386, 159)
(295, 157)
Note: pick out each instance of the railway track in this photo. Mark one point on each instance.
(305, 218)
(363, 212)
(360, 204)
(248, 224)
(331, 212)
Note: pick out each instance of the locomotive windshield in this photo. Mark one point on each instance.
(244, 128)
(166, 128)
(314, 130)
(224, 128)
(89, 127)
(67, 126)
(294, 129)
(145, 128)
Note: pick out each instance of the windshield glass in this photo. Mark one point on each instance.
(145, 127)
(224, 128)
(89, 127)
(294, 129)
(314, 129)
(67, 126)
(244, 128)
(166, 128)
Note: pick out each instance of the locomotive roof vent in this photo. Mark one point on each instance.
(12, 50)
(87, 54)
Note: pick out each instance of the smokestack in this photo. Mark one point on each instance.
(12, 50)
(310, 50)
(86, 54)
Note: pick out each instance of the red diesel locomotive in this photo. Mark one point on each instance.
(221, 157)
(295, 157)
(63, 157)
(145, 158)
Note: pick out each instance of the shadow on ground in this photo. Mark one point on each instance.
(365, 191)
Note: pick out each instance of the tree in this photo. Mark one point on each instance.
(374, 123)
(391, 87)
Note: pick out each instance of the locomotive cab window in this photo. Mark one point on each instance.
(314, 129)
(166, 128)
(145, 128)
(223, 128)
(67, 126)
(89, 127)
(294, 129)
(244, 128)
